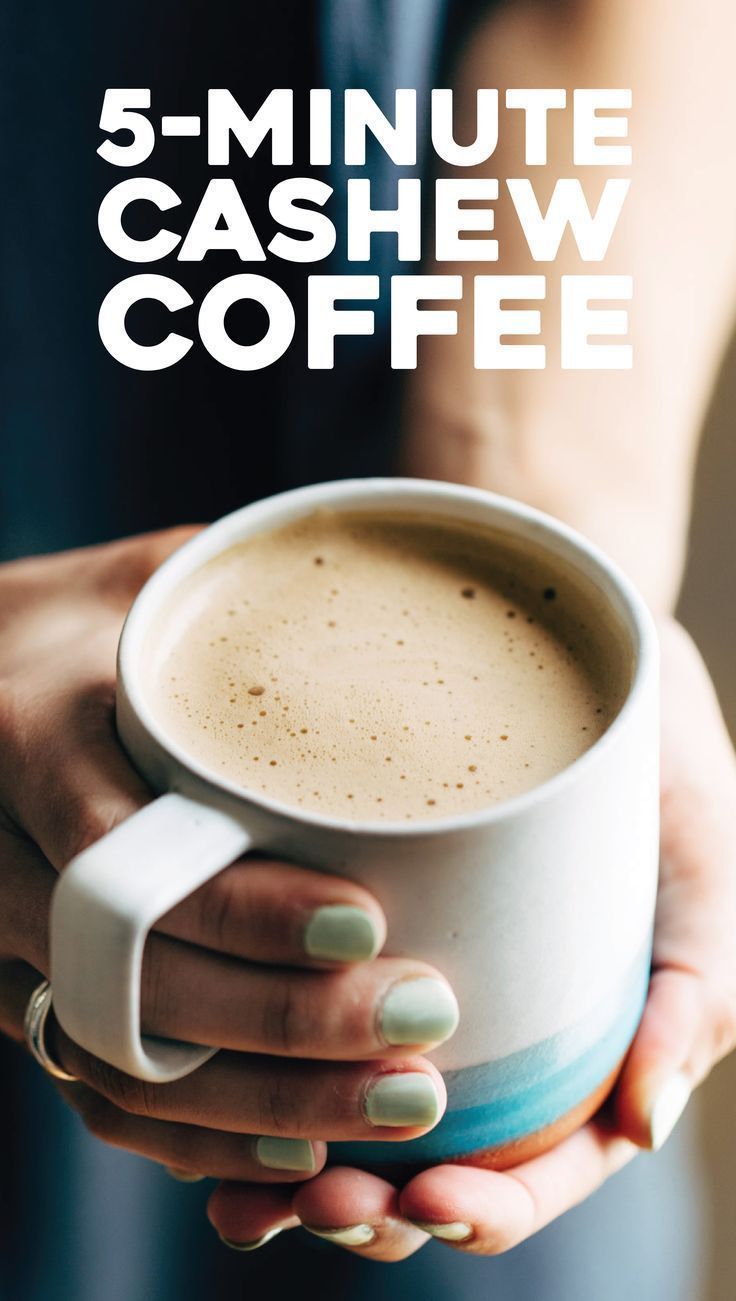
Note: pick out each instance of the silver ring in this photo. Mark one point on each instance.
(34, 1026)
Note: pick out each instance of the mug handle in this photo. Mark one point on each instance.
(105, 903)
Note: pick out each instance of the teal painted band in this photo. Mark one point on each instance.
(525, 1092)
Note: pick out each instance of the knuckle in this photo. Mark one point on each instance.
(320, 1014)
(287, 1017)
(129, 1094)
(100, 1076)
(137, 558)
(82, 821)
(277, 1107)
(143, 1098)
(283, 897)
(217, 900)
(244, 909)
(156, 990)
(94, 711)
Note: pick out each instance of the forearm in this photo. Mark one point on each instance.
(610, 451)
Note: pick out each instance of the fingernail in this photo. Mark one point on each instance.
(667, 1108)
(456, 1231)
(355, 1235)
(340, 933)
(183, 1176)
(419, 1012)
(285, 1153)
(249, 1246)
(397, 1100)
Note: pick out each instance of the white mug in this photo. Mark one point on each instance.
(538, 910)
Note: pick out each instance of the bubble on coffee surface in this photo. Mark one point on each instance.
(381, 668)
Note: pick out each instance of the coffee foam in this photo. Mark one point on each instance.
(383, 667)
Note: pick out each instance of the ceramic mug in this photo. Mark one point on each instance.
(538, 910)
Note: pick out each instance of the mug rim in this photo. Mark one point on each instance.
(217, 537)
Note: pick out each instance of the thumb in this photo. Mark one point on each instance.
(672, 1051)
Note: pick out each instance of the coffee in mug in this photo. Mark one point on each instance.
(375, 667)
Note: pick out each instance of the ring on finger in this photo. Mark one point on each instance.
(34, 1030)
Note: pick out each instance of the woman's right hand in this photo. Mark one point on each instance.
(273, 963)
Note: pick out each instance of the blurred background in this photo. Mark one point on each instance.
(708, 610)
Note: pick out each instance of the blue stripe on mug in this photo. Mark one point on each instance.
(493, 1104)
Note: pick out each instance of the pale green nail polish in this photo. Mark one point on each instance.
(669, 1105)
(249, 1246)
(419, 1011)
(355, 1235)
(397, 1100)
(341, 933)
(456, 1231)
(285, 1153)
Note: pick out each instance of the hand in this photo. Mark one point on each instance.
(689, 1023)
(268, 960)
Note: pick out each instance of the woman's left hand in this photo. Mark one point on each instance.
(689, 1023)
